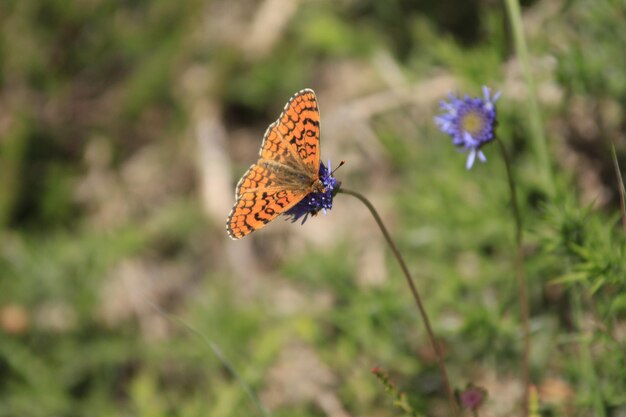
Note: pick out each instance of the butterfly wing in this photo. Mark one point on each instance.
(296, 133)
(256, 208)
(288, 164)
(257, 176)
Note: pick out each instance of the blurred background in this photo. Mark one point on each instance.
(124, 126)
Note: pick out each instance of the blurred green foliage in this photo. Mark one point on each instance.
(591, 64)
(75, 73)
(73, 70)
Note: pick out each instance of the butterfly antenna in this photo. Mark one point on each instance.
(337, 167)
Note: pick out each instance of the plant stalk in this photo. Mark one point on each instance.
(416, 297)
(521, 276)
(540, 145)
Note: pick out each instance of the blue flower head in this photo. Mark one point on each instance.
(470, 121)
(314, 202)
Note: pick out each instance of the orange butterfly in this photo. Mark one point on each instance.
(288, 178)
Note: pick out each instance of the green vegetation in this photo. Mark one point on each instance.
(121, 294)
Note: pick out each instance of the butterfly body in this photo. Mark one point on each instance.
(287, 171)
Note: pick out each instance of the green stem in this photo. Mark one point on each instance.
(521, 276)
(414, 292)
(589, 372)
(539, 143)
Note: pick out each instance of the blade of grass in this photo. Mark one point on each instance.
(620, 185)
(222, 358)
(539, 143)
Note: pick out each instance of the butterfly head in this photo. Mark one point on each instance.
(318, 186)
(320, 197)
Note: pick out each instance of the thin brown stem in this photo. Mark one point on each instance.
(416, 297)
(521, 276)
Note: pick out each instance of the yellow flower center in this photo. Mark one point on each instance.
(472, 123)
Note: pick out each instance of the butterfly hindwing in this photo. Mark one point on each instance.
(254, 209)
(257, 176)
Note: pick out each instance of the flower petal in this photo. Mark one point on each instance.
(486, 93)
(470, 159)
(469, 140)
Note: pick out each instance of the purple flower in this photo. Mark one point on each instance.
(470, 121)
(472, 397)
(316, 201)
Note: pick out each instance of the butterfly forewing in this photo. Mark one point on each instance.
(288, 165)
(296, 132)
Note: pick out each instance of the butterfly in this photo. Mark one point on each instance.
(287, 171)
